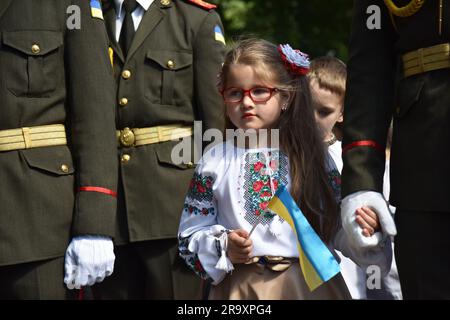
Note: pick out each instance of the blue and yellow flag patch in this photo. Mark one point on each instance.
(96, 9)
(218, 34)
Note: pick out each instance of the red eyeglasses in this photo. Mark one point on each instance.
(257, 94)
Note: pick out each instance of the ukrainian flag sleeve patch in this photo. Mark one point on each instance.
(218, 34)
(96, 9)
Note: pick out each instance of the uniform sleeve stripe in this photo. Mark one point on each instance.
(362, 143)
(98, 189)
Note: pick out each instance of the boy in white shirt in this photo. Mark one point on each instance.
(327, 80)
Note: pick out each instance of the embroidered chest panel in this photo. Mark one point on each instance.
(262, 173)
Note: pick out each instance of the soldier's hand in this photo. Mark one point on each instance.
(375, 200)
(239, 246)
(89, 259)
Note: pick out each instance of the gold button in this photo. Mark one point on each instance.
(125, 158)
(123, 102)
(170, 64)
(190, 165)
(126, 74)
(64, 168)
(35, 48)
(165, 2)
(127, 137)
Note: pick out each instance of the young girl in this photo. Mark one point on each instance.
(263, 87)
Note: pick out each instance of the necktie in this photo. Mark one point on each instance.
(127, 32)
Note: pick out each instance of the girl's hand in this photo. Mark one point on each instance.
(239, 246)
(368, 221)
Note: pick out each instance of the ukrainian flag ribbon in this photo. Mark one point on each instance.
(316, 261)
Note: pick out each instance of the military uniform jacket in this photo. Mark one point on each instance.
(419, 104)
(160, 92)
(66, 79)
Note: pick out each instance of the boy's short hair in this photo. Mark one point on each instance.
(330, 74)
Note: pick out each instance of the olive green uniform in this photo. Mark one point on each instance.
(168, 77)
(53, 75)
(380, 86)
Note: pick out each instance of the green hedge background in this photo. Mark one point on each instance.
(317, 27)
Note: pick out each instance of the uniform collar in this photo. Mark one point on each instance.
(143, 3)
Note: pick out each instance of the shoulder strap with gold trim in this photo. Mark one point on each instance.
(410, 9)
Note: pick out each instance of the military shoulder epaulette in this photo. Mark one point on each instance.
(410, 9)
(202, 4)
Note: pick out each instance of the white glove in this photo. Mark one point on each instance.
(89, 259)
(374, 200)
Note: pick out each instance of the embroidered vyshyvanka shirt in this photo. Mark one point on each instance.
(230, 190)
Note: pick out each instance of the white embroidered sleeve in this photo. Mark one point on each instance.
(202, 241)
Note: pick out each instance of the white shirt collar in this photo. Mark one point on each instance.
(143, 3)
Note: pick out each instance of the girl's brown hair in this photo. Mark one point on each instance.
(299, 137)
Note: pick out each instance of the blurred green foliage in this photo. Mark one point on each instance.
(317, 27)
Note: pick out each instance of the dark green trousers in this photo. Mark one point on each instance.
(43, 280)
(422, 251)
(149, 270)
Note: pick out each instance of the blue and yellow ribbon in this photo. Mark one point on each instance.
(316, 261)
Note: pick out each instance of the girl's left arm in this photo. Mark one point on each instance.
(202, 241)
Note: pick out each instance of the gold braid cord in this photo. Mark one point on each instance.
(406, 11)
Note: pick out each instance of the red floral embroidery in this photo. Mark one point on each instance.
(195, 210)
(257, 186)
(263, 176)
(258, 166)
(263, 205)
(266, 194)
(200, 188)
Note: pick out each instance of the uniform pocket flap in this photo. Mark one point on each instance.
(36, 43)
(169, 59)
(56, 160)
(164, 155)
(408, 93)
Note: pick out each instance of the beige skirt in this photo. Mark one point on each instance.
(263, 282)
